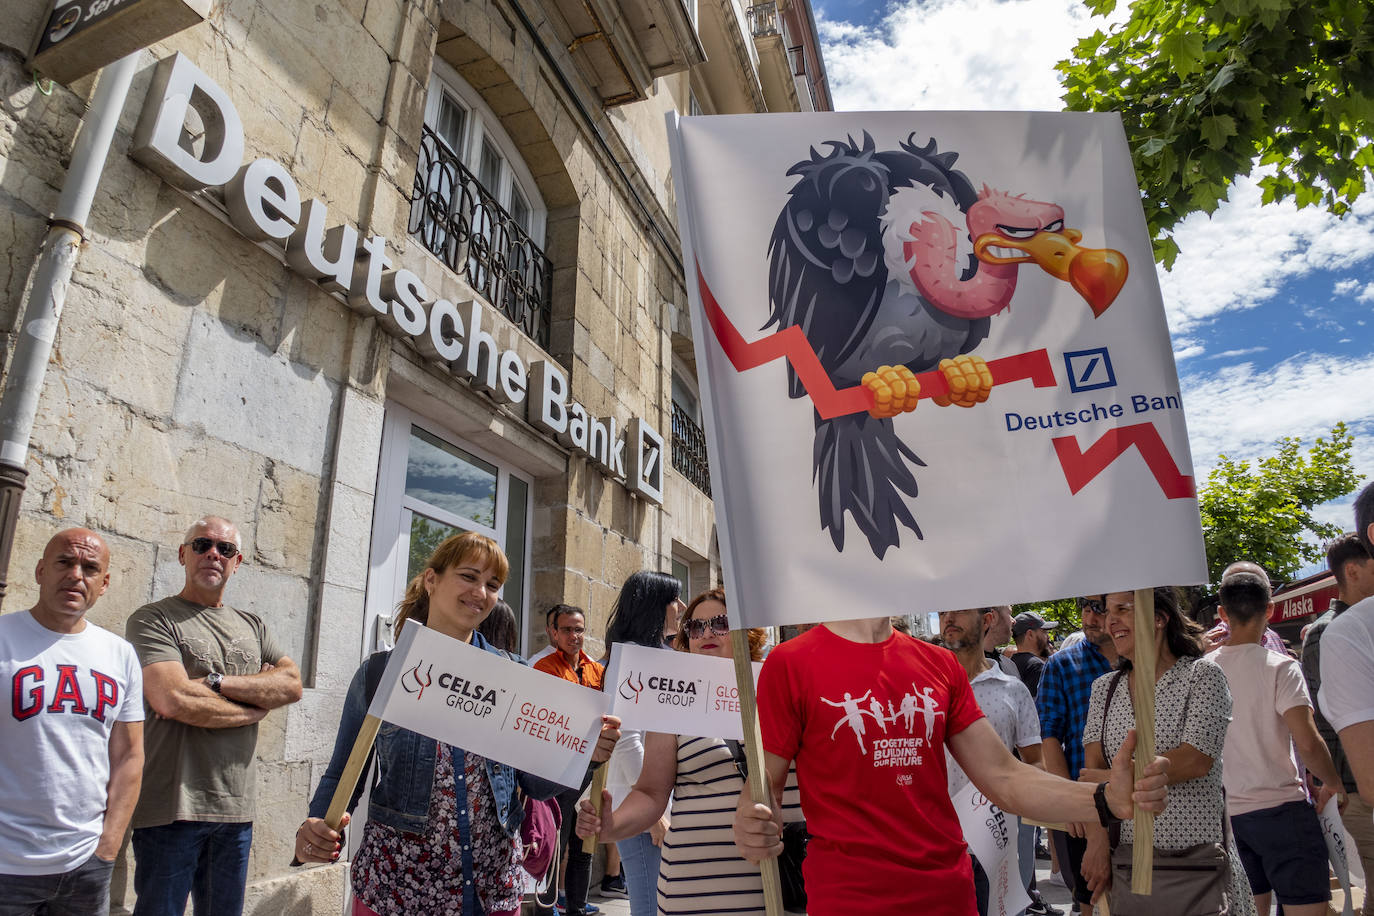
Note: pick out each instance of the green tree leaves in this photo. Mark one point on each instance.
(1262, 513)
(1207, 87)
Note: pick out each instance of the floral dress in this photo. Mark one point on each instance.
(397, 873)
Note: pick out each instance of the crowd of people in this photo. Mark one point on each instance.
(867, 734)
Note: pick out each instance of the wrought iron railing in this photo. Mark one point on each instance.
(689, 450)
(763, 19)
(459, 220)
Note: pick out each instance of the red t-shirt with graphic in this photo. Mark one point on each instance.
(867, 724)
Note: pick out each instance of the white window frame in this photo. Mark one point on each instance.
(392, 513)
(683, 375)
(482, 123)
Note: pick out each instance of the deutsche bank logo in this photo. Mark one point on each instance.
(1089, 369)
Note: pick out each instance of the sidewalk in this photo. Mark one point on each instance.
(1052, 893)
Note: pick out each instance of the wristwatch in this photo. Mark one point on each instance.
(1104, 810)
(214, 680)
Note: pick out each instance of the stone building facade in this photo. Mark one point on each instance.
(507, 160)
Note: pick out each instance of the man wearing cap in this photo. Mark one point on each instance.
(1031, 632)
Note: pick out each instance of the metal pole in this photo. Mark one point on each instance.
(52, 276)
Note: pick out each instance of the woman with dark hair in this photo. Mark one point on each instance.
(1192, 711)
(500, 628)
(701, 870)
(640, 610)
(639, 616)
(443, 824)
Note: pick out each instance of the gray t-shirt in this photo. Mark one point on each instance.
(192, 773)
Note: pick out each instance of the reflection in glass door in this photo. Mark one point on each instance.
(429, 488)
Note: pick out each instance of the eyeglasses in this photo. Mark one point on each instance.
(227, 549)
(1095, 607)
(572, 631)
(719, 625)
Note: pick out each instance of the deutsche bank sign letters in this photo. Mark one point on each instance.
(265, 205)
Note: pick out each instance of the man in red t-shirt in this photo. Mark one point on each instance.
(866, 713)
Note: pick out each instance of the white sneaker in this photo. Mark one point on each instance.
(1057, 880)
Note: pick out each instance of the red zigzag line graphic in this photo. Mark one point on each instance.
(791, 344)
(1081, 466)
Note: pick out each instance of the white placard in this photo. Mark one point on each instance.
(823, 246)
(678, 693)
(481, 702)
(991, 835)
(1337, 850)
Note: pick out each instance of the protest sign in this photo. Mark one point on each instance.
(481, 702)
(1337, 849)
(853, 277)
(991, 835)
(675, 692)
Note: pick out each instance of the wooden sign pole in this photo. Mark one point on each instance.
(598, 786)
(352, 771)
(1143, 702)
(759, 789)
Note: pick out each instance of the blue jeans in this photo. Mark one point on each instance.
(639, 860)
(83, 891)
(205, 861)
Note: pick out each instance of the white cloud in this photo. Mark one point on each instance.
(1241, 412)
(955, 54)
(1245, 252)
(1366, 294)
(1345, 287)
(1232, 354)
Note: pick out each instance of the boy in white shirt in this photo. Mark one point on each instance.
(1277, 832)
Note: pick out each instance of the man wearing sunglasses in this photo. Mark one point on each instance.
(211, 672)
(1062, 702)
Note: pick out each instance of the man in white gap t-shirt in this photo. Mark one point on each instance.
(71, 738)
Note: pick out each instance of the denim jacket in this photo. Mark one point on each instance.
(405, 763)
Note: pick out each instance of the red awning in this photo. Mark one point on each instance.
(1303, 599)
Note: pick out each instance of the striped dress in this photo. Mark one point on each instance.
(701, 872)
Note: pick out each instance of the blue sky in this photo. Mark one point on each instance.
(1270, 308)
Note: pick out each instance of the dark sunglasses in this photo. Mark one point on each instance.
(1095, 606)
(227, 549)
(719, 625)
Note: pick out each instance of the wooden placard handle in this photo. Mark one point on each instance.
(598, 786)
(352, 771)
(759, 789)
(1143, 702)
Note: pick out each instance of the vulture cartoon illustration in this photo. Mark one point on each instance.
(892, 264)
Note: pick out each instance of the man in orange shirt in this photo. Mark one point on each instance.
(566, 628)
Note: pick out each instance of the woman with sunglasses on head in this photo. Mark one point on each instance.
(701, 869)
(647, 601)
(443, 824)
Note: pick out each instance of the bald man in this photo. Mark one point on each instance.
(212, 672)
(71, 738)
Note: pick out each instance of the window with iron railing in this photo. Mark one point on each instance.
(689, 449)
(763, 19)
(472, 208)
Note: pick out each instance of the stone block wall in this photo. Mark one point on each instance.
(194, 373)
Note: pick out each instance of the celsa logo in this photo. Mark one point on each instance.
(413, 682)
(630, 688)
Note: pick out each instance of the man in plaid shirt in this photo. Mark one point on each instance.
(1062, 703)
